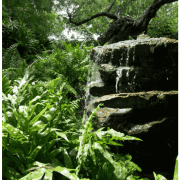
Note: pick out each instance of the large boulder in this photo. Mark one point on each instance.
(137, 81)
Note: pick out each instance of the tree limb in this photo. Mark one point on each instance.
(112, 16)
(111, 6)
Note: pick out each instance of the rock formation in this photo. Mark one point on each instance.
(137, 81)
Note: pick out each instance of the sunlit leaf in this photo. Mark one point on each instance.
(66, 172)
(36, 175)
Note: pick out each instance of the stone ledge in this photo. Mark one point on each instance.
(153, 52)
(136, 100)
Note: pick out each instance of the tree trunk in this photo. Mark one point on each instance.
(120, 29)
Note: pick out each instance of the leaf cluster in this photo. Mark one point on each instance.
(40, 131)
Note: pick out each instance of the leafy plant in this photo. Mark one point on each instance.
(41, 135)
(22, 126)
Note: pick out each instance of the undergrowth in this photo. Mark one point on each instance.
(41, 135)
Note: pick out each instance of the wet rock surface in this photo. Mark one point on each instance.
(137, 81)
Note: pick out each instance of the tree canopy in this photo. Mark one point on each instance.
(99, 14)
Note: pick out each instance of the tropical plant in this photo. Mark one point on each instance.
(41, 135)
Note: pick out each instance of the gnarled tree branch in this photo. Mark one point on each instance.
(112, 16)
(122, 27)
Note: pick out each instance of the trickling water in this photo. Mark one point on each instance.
(127, 58)
(125, 79)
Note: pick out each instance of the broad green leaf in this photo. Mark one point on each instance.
(10, 173)
(5, 113)
(36, 175)
(17, 162)
(92, 153)
(33, 154)
(15, 90)
(35, 99)
(39, 125)
(50, 144)
(106, 44)
(67, 160)
(4, 97)
(66, 172)
(48, 174)
(56, 162)
(19, 119)
(105, 153)
(63, 135)
(12, 98)
(37, 117)
(48, 117)
(31, 112)
(119, 136)
(37, 163)
(14, 132)
(44, 136)
(132, 138)
(54, 153)
(6, 88)
(85, 152)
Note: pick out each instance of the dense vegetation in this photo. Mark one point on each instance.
(43, 81)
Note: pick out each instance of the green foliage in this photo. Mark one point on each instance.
(93, 155)
(31, 13)
(165, 23)
(41, 135)
(161, 30)
(70, 62)
(23, 36)
(6, 88)
(74, 62)
(24, 122)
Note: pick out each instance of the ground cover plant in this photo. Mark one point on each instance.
(42, 135)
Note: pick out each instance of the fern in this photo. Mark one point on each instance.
(11, 57)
